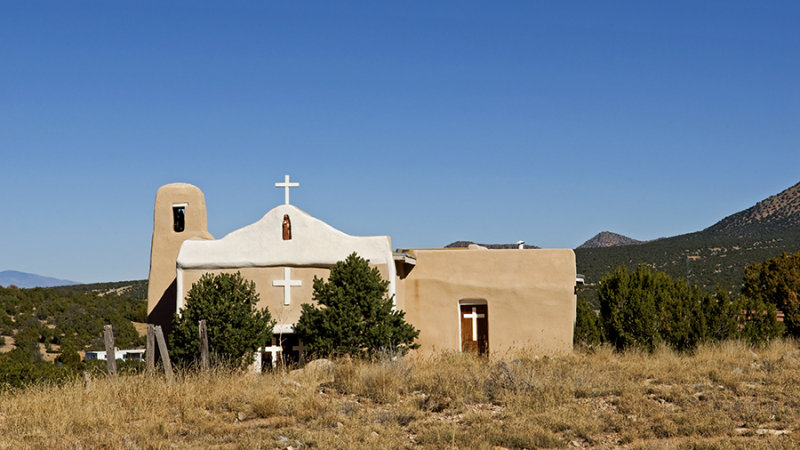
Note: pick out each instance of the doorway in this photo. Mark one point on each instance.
(474, 324)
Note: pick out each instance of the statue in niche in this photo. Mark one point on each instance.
(287, 228)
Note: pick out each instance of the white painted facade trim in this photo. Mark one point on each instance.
(314, 243)
(283, 328)
(179, 289)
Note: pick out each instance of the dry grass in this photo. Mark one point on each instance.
(723, 396)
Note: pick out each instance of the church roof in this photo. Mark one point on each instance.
(261, 244)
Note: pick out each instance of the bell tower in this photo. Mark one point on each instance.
(179, 214)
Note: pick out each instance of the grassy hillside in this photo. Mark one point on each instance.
(725, 396)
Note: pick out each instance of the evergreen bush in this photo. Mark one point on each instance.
(353, 315)
(776, 281)
(236, 327)
(587, 325)
(644, 308)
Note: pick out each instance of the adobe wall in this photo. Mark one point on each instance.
(272, 297)
(161, 292)
(530, 296)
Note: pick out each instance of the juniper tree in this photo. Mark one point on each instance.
(776, 281)
(587, 327)
(353, 314)
(236, 327)
(722, 315)
(644, 308)
(759, 321)
(629, 308)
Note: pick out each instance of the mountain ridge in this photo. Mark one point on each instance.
(465, 244)
(715, 256)
(777, 213)
(608, 239)
(30, 280)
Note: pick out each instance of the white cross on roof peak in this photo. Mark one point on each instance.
(286, 185)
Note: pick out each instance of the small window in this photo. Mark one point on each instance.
(178, 218)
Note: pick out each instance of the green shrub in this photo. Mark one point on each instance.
(629, 304)
(587, 325)
(236, 328)
(776, 281)
(354, 317)
(759, 321)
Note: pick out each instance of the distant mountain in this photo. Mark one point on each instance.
(608, 239)
(465, 244)
(776, 214)
(29, 280)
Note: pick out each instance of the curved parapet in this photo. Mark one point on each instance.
(285, 237)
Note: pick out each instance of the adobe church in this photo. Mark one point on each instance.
(467, 299)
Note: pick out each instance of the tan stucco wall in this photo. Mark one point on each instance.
(166, 243)
(530, 295)
(272, 296)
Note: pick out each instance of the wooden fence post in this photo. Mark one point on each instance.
(150, 352)
(203, 345)
(162, 349)
(111, 356)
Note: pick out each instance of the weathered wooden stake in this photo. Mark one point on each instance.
(150, 352)
(162, 349)
(111, 356)
(203, 345)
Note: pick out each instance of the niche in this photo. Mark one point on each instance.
(287, 228)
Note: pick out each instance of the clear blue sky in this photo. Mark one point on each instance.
(427, 121)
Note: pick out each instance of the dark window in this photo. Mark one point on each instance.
(178, 218)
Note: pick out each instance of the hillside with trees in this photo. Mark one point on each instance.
(40, 325)
(715, 256)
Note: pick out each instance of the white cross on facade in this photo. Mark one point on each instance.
(274, 350)
(287, 283)
(474, 316)
(286, 185)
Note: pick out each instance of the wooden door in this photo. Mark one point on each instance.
(474, 328)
